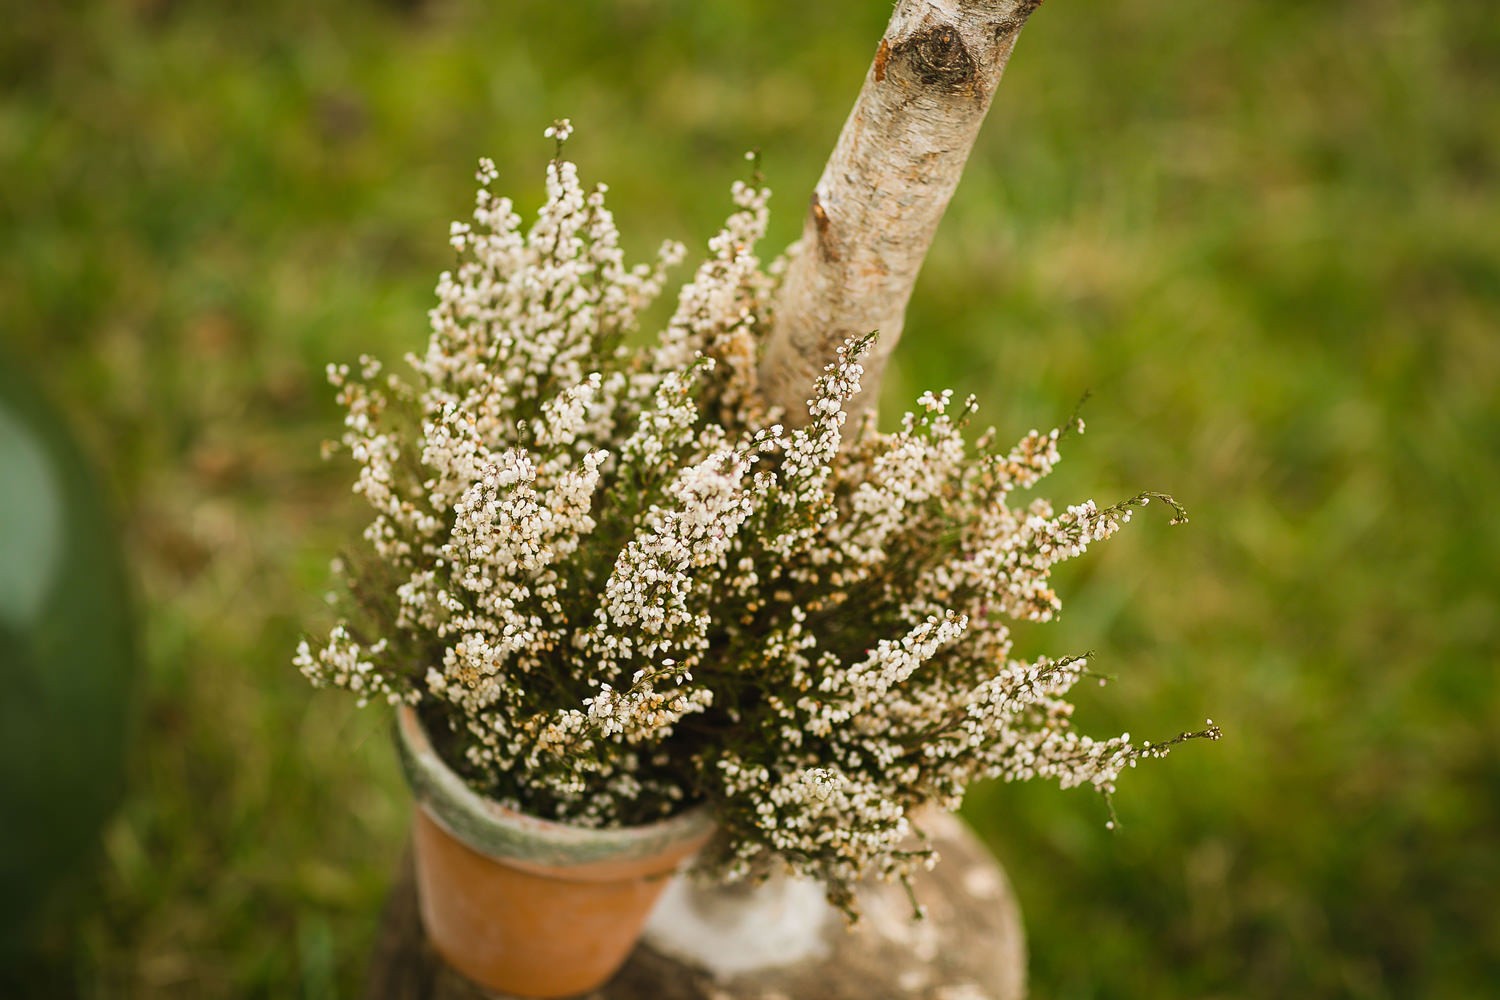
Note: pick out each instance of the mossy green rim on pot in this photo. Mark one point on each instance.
(490, 828)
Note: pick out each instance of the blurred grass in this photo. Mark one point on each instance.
(1266, 237)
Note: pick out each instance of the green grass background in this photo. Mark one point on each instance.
(1266, 235)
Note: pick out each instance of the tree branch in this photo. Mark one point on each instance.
(875, 210)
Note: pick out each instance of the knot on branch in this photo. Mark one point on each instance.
(939, 58)
(1007, 27)
(827, 246)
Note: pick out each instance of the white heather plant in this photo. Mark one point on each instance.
(614, 585)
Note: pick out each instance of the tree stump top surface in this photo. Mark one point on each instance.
(970, 947)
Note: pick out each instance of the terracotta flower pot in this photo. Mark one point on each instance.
(523, 905)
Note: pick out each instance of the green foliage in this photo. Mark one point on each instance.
(1267, 239)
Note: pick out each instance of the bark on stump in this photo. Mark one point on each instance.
(970, 947)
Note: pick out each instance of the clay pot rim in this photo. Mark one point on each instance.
(529, 842)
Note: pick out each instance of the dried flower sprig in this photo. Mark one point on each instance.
(612, 582)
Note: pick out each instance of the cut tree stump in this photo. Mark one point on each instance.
(970, 946)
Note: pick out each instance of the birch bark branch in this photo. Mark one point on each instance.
(874, 212)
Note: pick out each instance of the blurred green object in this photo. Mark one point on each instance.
(66, 657)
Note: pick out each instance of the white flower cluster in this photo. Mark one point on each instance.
(612, 583)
